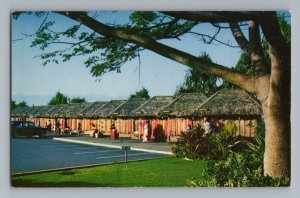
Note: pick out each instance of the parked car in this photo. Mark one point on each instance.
(27, 128)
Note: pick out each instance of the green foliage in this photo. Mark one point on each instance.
(76, 100)
(143, 93)
(13, 104)
(142, 19)
(103, 53)
(256, 148)
(193, 144)
(240, 169)
(223, 143)
(198, 81)
(17, 14)
(285, 28)
(59, 98)
(20, 104)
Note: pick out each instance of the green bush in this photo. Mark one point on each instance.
(240, 169)
(193, 144)
(223, 143)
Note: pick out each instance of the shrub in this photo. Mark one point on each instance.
(223, 143)
(193, 144)
(240, 168)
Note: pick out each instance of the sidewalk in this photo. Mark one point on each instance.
(153, 147)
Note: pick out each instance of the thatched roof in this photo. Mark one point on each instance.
(38, 110)
(25, 111)
(43, 112)
(128, 107)
(230, 102)
(16, 111)
(91, 109)
(106, 110)
(53, 110)
(65, 110)
(19, 111)
(184, 105)
(75, 109)
(152, 107)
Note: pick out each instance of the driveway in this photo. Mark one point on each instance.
(30, 155)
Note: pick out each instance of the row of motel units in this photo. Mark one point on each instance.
(167, 115)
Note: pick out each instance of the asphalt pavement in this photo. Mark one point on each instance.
(34, 155)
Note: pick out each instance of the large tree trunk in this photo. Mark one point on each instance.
(276, 110)
(277, 143)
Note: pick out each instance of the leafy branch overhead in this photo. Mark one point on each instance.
(104, 54)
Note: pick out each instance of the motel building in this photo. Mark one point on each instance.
(169, 117)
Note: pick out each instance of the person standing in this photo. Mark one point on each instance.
(113, 132)
(49, 126)
(207, 126)
(146, 131)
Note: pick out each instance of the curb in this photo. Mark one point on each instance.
(112, 146)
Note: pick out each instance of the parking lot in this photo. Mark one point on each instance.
(30, 155)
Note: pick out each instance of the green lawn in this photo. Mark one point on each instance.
(164, 172)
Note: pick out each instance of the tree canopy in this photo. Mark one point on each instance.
(76, 100)
(59, 98)
(16, 105)
(143, 93)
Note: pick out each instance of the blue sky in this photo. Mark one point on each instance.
(37, 84)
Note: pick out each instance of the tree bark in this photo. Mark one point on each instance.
(277, 107)
(277, 144)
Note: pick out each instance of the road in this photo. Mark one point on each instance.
(28, 155)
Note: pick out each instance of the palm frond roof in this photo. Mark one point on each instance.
(152, 107)
(108, 108)
(91, 109)
(128, 107)
(230, 102)
(184, 105)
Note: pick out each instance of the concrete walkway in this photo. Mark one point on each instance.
(153, 147)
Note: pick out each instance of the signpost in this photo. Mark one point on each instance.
(125, 148)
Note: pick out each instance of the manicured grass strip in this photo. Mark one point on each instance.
(164, 172)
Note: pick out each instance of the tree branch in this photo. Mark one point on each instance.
(226, 27)
(211, 39)
(280, 54)
(240, 38)
(30, 35)
(256, 52)
(245, 81)
(215, 17)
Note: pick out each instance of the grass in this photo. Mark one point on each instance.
(163, 172)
